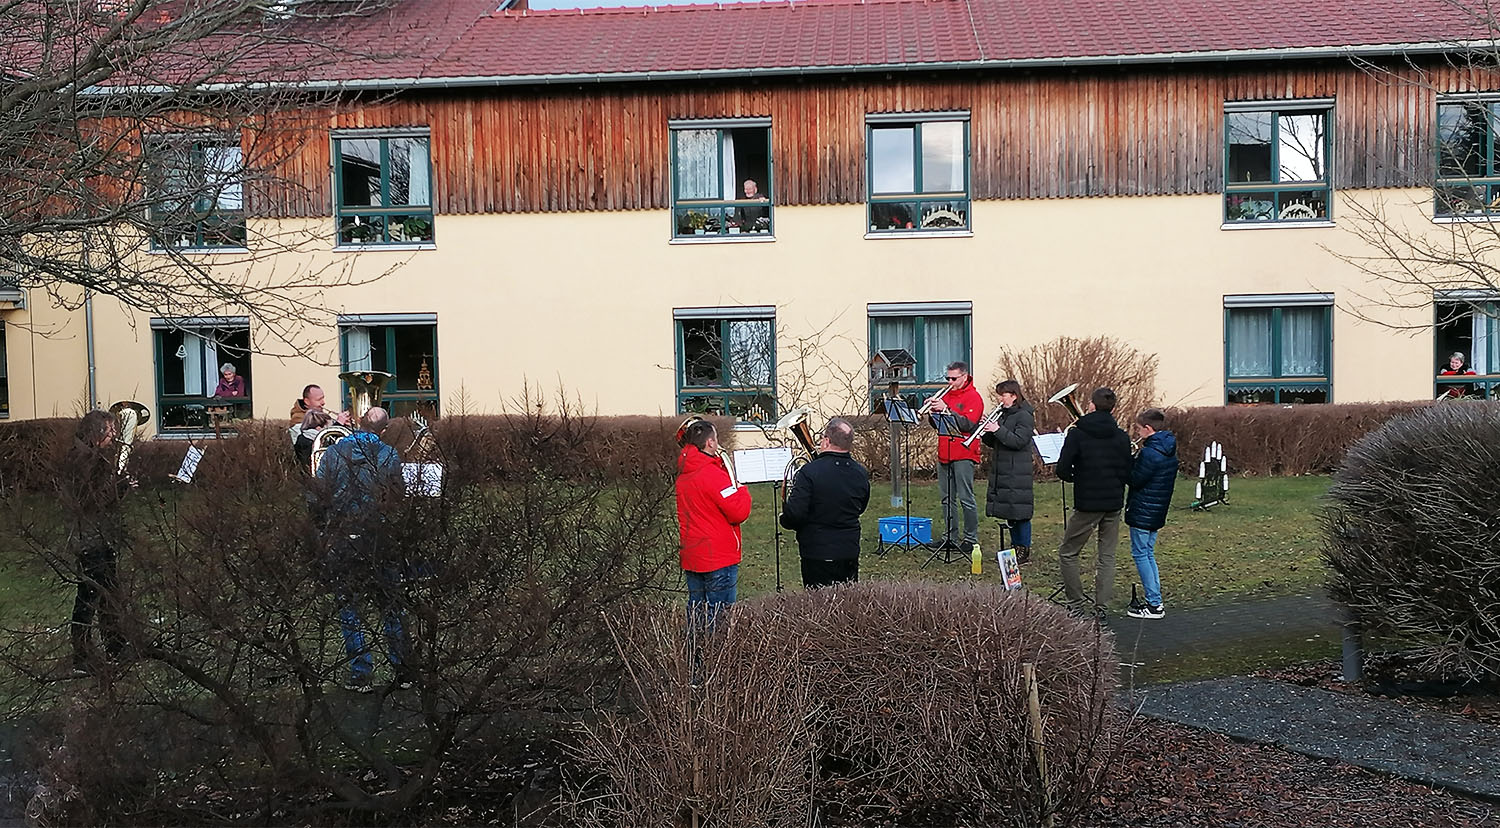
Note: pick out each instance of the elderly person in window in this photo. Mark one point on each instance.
(1454, 368)
(752, 218)
(230, 384)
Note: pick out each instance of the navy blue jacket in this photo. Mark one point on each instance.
(828, 496)
(359, 476)
(1095, 458)
(1152, 477)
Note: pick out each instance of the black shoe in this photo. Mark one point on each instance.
(359, 684)
(1023, 554)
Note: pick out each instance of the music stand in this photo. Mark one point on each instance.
(900, 413)
(947, 426)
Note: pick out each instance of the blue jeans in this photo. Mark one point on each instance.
(1020, 532)
(1143, 549)
(354, 636)
(710, 592)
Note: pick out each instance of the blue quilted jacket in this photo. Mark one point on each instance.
(1152, 477)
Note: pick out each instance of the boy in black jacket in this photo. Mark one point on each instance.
(1095, 458)
(824, 505)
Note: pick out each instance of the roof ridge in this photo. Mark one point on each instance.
(669, 7)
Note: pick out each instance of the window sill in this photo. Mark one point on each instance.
(1493, 218)
(196, 251)
(735, 238)
(922, 234)
(1275, 225)
(346, 248)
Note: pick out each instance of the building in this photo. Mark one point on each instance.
(684, 208)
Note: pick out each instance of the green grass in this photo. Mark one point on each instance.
(1263, 543)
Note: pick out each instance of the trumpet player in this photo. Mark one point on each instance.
(91, 490)
(957, 462)
(1009, 496)
(827, 498)
(710, 509)
(1152, 478)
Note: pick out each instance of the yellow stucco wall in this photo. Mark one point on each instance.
(585, 299)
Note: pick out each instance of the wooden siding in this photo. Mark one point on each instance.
(1104, 132)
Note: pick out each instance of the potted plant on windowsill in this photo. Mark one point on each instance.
(416, 228)
(359, 232)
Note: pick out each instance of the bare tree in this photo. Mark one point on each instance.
(137, 135)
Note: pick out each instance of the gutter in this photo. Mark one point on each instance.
(1145, 59)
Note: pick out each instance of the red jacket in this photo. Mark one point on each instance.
(967, 404)
(708, 519)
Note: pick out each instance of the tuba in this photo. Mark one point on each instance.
(1065, 399)
(365, 390)
(131, 416)
(796, 422)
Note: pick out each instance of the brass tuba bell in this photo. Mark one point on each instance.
(1065, 399)
(365, 390)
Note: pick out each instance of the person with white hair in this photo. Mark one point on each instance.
(230, 383)
(1454, 368)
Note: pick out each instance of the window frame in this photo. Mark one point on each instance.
(196, 145)
(244, 407)
(916, 120)
(1280, 384)
(1490, 181)
(4, 372)
(356, 212)
(1487, 384)
(721, 206)
(724, 391)
(921, 389)
(1274, 189)
(388, 325)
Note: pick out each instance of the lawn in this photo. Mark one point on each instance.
(1264, 542)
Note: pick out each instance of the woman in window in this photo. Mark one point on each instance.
(230, 384)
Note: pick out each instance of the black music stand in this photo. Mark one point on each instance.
(899, 412)
(947, 426)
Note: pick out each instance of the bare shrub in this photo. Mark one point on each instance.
(503, 582)
(898, 702)
(1410, 533)
(1275, 440)
(1091, 362)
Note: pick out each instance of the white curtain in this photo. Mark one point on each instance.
(200, 367)
(750, 351)
(1486, 331)
(731, 188)
(1250, 342)
(223, 170)
(421, 186)
(894, 332)
(698, 172)
(357, 349)
(943, 338)
(1304, 340)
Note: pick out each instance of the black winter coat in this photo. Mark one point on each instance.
(828, 496)
(1152, 479)
(1095, 458)
(1010, 491)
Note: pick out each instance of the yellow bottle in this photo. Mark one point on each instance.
(976, 560)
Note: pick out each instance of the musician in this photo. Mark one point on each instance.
(1456, 367)
(957, 462)
(91, 491)
(827, 497)
(313, 399)
(1095, 458)
(710, 509)
(1153, 475)
(1010, 496)
(360, 479)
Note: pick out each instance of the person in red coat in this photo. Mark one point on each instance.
(956, 462)
(710, 509)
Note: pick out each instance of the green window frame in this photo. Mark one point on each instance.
(737, 379)
(382, 185)
(408, 350)
(188, 354)
(1278, 162)
(196, 193)
(711, 160)
(1287, 365)
(907, 156)
(1468, 172)
(931, 365)
(1469, 325)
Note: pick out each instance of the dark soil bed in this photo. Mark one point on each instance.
(1392, 677)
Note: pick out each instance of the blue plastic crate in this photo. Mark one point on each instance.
(893, 530)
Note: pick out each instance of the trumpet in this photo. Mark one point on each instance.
(927, 406)
(991, 416)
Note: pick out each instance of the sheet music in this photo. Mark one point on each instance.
(189, 465)
(1049, 446)
(423, 479)
(762, 465)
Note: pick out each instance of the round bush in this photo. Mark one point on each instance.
(1412, 534)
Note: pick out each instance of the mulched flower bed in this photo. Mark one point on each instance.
(1171, 775)
(1394, 678)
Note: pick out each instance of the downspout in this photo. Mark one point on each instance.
(88, 334)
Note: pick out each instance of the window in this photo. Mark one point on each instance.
(726, 362)
(384, 188)
(1276, 163)
(1277, 349)
(721, 178)
(918, 173)
(1467, 325)
(189, 354)
(196, 195)
(1468, 177)
(934, 333)
(404, 345)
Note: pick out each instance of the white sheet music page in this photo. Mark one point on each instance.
(1049, 446)
(763, 465)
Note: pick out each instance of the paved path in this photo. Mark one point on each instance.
(1426, 746)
